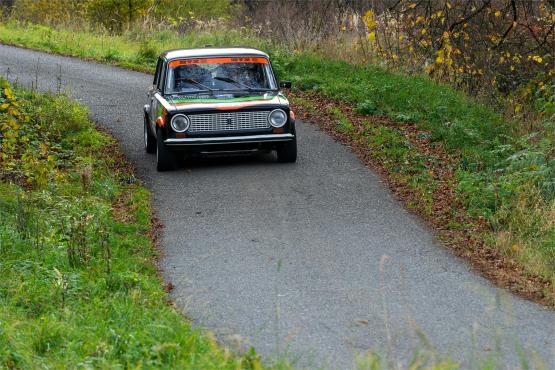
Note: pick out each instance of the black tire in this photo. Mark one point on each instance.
(165, 158)
(150, 140)
(287, 153)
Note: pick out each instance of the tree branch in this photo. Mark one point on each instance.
(470, 16)
(515, 18)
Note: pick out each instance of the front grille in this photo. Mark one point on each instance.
(231, 121)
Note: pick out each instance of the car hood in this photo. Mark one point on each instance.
(225, 101)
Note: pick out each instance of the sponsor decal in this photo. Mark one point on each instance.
(162, 114)
(185, 62)
(220, 104)
(216, 100)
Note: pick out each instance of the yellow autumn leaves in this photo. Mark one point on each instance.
(370, 22)
(536, 58)
(443, 55)
(9, 118)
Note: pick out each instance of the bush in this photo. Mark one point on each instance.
(50, 12)
(367, 107)
(486, 48)
(147, 54)
(115, 15)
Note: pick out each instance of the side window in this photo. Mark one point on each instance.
(157, 73)
(161, 75)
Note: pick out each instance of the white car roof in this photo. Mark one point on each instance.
(211, 52)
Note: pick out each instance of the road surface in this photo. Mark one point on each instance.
(314, 261)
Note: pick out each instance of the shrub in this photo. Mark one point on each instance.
(485, 47)
(116, 16)
(367, 107)
(147, 54)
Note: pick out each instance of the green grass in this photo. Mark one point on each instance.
(79, 286)
(502, 176)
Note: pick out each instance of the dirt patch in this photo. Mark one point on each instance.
(467, 241)
(14, 177)
(121, 208)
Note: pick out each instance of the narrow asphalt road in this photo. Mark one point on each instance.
(313, 260)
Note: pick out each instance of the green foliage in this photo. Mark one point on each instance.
(49, 12)
(343, 123)
(178, 10)
(478, 136)
(9, 125)
(117, 15)
(452, 118)
(392, 147)
(367, 107)
(147, 54)
(79, 287)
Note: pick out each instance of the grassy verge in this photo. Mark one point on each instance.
(500, 178)
(79, 286)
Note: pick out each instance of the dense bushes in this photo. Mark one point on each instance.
(117, 16)
(490, 48)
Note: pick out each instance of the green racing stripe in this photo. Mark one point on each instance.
(222, 100)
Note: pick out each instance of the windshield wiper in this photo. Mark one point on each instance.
(232, 81)
(190, 80)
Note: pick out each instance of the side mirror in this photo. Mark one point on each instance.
(284, 84)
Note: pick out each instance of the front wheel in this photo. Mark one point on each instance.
(287, 153)
(150, 140)
(165, 158)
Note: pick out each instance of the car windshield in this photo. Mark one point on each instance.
(235, 73)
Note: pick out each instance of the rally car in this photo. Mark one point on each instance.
(217, 101)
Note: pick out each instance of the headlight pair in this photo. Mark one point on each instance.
(180, 122)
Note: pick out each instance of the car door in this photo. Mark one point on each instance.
(155, 89)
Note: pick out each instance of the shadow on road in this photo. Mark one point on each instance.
(228, 160)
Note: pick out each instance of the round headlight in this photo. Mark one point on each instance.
(180, 123)
(277, 118)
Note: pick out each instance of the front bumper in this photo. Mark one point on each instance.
(248, 139)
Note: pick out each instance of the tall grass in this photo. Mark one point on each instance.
(78, 283)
